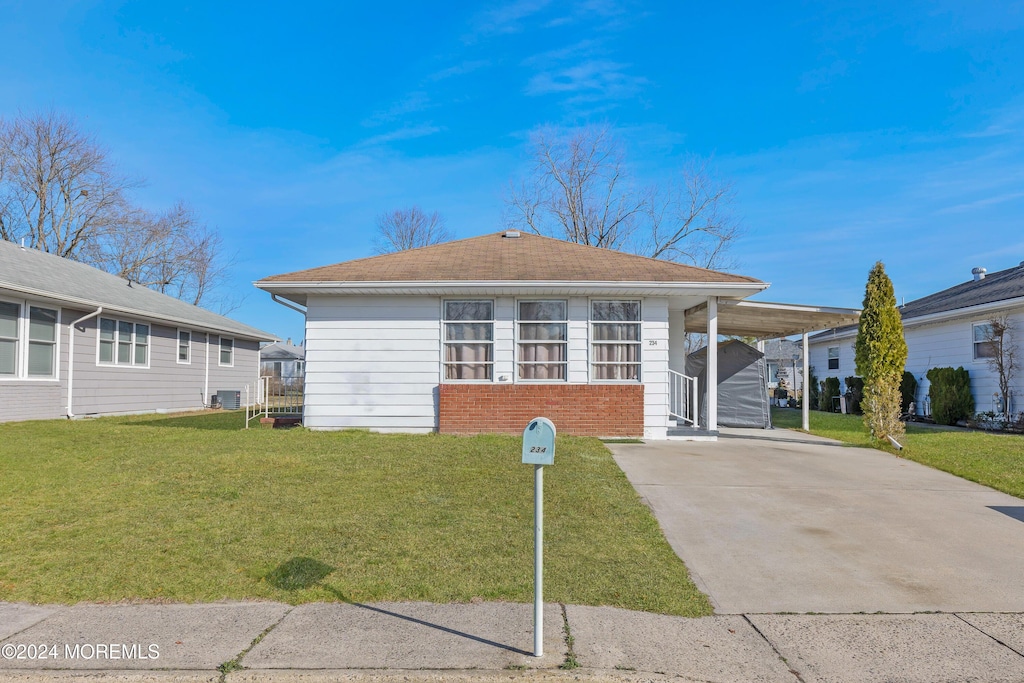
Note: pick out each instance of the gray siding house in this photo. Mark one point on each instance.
(76, 341)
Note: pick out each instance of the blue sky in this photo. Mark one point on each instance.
(851, 132)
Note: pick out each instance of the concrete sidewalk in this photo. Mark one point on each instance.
(262, 642)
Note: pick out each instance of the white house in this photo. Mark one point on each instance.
(483, 334)
(945, 329)
(76, 341)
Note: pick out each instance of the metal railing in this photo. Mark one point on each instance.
(272, 396)
(682, 398)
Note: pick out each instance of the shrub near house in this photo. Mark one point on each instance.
(950, 395)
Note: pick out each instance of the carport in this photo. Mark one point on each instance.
(744, 318)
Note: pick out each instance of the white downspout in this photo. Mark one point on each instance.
(71, 354)
(206, 377)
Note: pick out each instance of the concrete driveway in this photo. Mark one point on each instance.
(778, 521)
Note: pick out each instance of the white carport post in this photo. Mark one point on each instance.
(712, 364)
(805, 401)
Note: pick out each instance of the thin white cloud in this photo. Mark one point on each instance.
(412, 103)
(461, 69)
(507, 18)
(587, 81)
(403, 133)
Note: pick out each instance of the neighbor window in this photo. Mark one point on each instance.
(985, 345)
(833, 358)
(468, 340)
(184, 346)
(9, 317)
(542, 346)
(42, 342)
(123, 343)
(615, 340)
(227, 351)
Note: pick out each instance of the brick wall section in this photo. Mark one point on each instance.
(576, 409)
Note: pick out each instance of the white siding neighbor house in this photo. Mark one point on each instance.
(483, 334)
(75, 341)
(945, 329)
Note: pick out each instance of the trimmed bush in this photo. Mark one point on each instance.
(950, 394)
(855, 394)
(811, 389)
(829, 389)
(908, 390)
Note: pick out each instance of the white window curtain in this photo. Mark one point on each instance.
(468, 340)
(615, 340)
(543, 340)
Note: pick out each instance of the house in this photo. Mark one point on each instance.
(945, 329)
(283, 361)
(785, 364)
(76, 341)
(484, 334)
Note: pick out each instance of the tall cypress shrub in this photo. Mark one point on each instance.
(881, 354)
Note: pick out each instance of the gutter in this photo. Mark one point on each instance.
(287, 304)
(71, 354)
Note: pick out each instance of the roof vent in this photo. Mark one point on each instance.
(511, 234)
(978, 273)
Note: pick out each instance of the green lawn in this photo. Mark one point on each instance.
(193, 508)
(995, 460)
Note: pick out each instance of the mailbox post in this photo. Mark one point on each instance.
(538, 450)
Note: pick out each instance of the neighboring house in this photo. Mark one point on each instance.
(945, 329)
(785, 360)
(76, 341)
(283, 360)
(484, 334)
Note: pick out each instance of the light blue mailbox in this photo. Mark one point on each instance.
(539, 442)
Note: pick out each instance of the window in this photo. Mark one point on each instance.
(615, 340)
(985, 346)
(184, 346)
(542, 347)
(468, 340)
(9, 317)
(123, 343)
(42, 342)
(833, 358)
(227, 351)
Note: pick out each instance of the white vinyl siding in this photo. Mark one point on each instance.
(654, 374)
(373, 362)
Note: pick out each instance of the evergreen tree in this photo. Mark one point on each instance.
(881, 354)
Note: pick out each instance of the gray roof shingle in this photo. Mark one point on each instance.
(38, 273)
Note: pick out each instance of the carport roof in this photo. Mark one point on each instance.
(767, 320)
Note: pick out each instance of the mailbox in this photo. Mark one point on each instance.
(539, 442)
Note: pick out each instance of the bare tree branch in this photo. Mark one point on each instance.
(580, 190)
(410, 228)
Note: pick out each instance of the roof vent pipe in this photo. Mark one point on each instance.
(979, 273)
(512, 234)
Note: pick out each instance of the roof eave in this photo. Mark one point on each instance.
(290, 289)
(136, 313)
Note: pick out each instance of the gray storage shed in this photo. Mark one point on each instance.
(742, 385)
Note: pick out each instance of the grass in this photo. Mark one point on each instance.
(195, 509)
(995, 460)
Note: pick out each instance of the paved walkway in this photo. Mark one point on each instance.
(492, 641)
(779, 521)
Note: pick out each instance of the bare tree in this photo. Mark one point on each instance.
(174, 252)
(999, 336)
(60, 192)
(579, 189)
(410, 228)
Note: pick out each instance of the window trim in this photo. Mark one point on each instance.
(22, 342)
(516, 341)
(974, 343)
(639, 341)
(134, 345)
(220, 351)
(444, 342)
(177, 347)
(829, 358)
